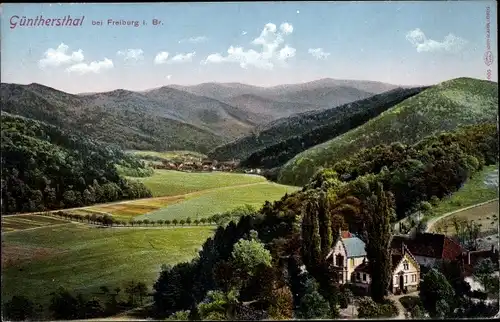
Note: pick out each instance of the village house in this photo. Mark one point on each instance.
(430, 250)
(348, 260)
(469, 259)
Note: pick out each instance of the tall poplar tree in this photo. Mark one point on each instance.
(379, 209)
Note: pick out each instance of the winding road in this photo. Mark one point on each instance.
(433, 221)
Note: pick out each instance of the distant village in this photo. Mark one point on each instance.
(204, 165)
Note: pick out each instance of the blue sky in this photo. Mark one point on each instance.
(266, 43)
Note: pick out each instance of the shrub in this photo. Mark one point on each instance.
(370, 309)
(410, 302)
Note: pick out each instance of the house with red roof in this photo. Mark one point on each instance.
(430, 250)
(350, 264)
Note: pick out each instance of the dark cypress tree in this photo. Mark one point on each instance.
(306, 226)
(378, 213)
(316, 239)
(325, 228)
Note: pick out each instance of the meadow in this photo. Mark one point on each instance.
(195, 194)
(486, 216)
(171, 183)
(474, 191)
(221, 200)
(83, 258)
(22, 222)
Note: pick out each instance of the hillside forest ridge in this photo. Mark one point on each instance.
(225, 201)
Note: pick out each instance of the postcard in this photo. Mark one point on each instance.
(249, 160)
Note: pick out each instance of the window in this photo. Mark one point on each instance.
(405, 265)
(406, 279)
(364, 277)
(358, 276)
(340, 260)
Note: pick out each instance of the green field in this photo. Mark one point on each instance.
(21, 222)
(220, 200)
(473, 192)
(439, 108)
(172, 183)
(82, 258)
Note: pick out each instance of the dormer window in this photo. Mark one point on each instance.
(405, 265)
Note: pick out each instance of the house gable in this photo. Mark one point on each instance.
(406, 258)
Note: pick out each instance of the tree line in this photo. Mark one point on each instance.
(220, 219)
(46, 168)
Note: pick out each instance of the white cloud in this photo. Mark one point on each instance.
(168, 76)
(286, 28)
(273, 50)
(182, 58)
(60, 56)
(318, 53)
(451, 43)
(161, 58)
(93, 67)
(286, 52)
(194, 40)
(298, 11)
(131, 54)
(243, 33)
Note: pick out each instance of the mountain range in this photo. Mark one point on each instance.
(199, 117)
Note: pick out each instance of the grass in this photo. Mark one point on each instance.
(220, 200)
(170, 183)
(440, 108)
(130, 209)
(22, 222)
(473, 192)
(486, 216)
(82, 258)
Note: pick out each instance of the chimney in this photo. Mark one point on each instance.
(468, 257)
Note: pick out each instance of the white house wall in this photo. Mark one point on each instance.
(407, 277)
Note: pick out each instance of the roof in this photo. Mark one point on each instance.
(362, 268)
(354, 247)
(396, 258)
(429, 245)
(346, 234)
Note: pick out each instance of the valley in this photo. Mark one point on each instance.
(100, 191)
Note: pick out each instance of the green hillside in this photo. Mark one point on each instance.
(439, 108)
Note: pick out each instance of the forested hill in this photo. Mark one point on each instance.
(442, 107)
(131, 127)
(332, 123)
(44, 168)
(278, 141)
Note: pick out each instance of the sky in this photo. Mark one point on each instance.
(260, 43)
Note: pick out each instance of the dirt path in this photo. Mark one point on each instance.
(165, 198)
(433, 221)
